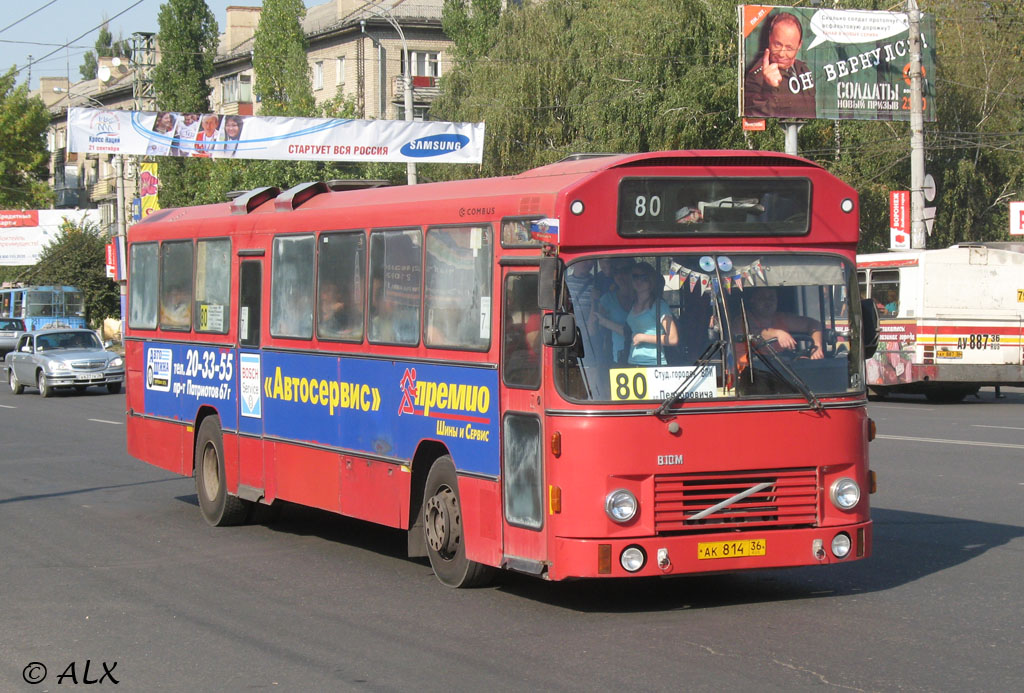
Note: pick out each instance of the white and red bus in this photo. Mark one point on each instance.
(447, 359)
(951, 320)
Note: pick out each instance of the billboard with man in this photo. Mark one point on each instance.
(804, 63)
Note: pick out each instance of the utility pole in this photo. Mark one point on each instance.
(918, 234)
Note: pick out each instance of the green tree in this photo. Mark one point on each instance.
(77, 257)
(106, 47)
(23, 157)
(282, 74)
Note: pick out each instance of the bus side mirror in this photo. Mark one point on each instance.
(549, 277)
(870, 327)
(559, 329)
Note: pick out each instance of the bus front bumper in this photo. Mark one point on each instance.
(708, 553)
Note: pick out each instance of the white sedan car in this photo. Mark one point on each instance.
(48, 359)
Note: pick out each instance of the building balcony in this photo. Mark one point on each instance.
(424, 89)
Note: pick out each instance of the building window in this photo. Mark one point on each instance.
(418, 112)
(236, 89)
(424, 64)
(318, 74)
(339, 76)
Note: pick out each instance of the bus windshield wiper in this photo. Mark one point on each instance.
(782, 370)
(698, 367)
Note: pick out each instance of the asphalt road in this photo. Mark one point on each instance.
(104, 559)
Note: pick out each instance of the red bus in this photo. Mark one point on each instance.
(611, 366)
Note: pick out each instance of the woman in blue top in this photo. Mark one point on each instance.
(648, 310)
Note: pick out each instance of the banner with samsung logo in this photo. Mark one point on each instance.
(210, 135)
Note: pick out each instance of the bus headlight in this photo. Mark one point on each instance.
(841, 545)
(620, 505)
(633, 559)
(845, 493)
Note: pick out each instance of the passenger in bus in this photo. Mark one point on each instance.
(650, 318)
(175, 310)
(764, 319)
(338, 318)
(614, 306)
(689, 214)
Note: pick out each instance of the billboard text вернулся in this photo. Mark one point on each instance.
(807, 63)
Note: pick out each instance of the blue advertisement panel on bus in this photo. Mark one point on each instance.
(382, 408)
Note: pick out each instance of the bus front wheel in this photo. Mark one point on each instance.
(443, 531)
(218, 507)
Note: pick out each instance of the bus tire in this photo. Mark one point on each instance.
(44, 389)
(950, 395)
(443, 531)
(12, 380)
(218, 507)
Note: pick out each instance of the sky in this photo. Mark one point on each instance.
(57, 22)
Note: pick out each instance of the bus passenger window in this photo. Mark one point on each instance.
(176, 285)
(885, 291)
(291, 287)
(213, 285)
(340, 294)
(396, 267)
(458, 286)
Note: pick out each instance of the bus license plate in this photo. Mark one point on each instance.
(731, 549)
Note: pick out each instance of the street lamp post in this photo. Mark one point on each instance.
(118, 163)
(386, 15)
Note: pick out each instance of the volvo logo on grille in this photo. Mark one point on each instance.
(665, 460)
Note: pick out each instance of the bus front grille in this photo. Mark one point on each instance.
(780, 497)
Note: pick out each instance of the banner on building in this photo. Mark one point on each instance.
(25, 233)
(802, 63)
(142, 133)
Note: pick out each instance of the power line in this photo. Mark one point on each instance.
(82, 35)
(27, 16)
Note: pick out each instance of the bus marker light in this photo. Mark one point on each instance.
(841, 545)
(556, 444)
(860, 542)
(633, 559)
(554, 500)
(576, 207)
(872, 430)
(604, 559)
(818, 549)
(872, 481)
(846, 205)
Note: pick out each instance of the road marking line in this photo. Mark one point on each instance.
(955, 442)
(116, 423)
(7, 406)
(897, 406)
(1012, 428)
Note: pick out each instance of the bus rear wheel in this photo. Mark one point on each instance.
(443, 531)
(218, 507)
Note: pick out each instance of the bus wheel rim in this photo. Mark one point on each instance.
(211, 472)
(443, 523)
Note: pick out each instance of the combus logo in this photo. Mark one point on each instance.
(435, 145)
(456, 401)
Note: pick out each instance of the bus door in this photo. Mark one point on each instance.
(251, 478)
(524, 507)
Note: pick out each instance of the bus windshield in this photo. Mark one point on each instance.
(711, 326)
